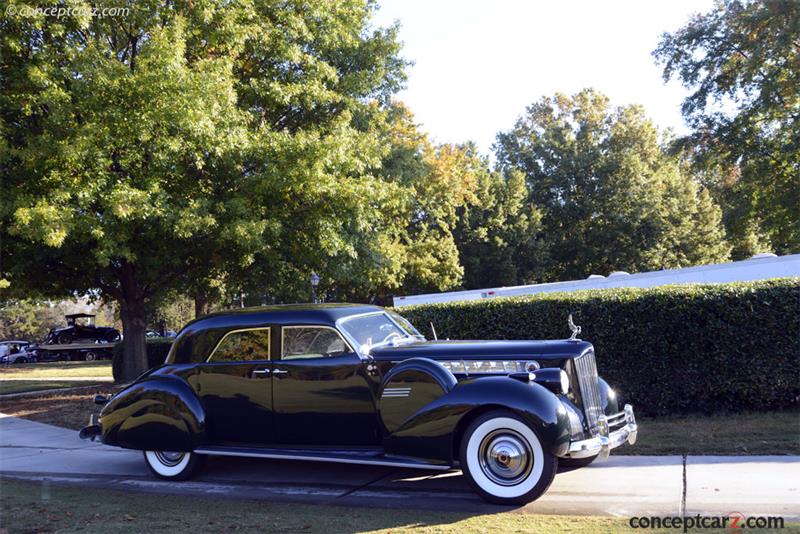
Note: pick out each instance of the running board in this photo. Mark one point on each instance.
(319, 456)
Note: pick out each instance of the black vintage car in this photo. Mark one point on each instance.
(359, 384)
(81, 328)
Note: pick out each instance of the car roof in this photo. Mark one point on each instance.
(77, 315)
(325, 313)
(194, 336)
(15, 342)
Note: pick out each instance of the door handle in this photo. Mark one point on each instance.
(261, 372)
(279, 372)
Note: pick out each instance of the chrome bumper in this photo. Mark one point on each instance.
(602, 444)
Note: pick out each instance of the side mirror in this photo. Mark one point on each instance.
(100, 399)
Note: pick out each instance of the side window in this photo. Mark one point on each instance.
(303, 342)
(243, 345)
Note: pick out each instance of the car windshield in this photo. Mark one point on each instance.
(406, 325)
(378, 329)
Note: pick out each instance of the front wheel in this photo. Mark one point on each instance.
(504, 459)
(111, 337)
(173, 465)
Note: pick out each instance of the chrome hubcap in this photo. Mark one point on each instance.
(170, 458)
(505, 457)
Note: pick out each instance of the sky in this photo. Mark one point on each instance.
(479, 63)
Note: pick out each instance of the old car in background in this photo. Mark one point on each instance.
(154, 334)
(16, 351)
(359, 384)
(81, 329)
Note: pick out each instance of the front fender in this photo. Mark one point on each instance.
(609, 399)
(433, 432)
(159, 412)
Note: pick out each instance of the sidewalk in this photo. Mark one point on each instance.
(621, 486)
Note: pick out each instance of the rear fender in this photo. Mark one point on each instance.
(432, 432)
(158, 412)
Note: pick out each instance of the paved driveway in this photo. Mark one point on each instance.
(620, 486)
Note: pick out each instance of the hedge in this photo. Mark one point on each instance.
(668, 349)
(157, 349)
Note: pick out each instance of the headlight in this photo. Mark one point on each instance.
(554, 379)
(564, 382)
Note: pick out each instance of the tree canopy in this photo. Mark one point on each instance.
(610, 196)
(741, 61)
(222, 152)
(185, 141)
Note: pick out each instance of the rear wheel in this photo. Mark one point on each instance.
(173, 465)
(64, 339)
(22, 360)
(504, 459)
(90, 356)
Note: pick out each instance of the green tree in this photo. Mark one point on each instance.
(395, 235)
(179, 144)
(30, 320)
(742, 62)
(609, 195)
(500, 239)
(437, 181)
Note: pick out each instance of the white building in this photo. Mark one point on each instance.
(759, 267)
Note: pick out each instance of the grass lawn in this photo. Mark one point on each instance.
(731, 434)
(56, 370)
(43, 507)
(65, 410)
(20, 386)
(37, 376)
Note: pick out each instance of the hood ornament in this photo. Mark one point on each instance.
(576, 329)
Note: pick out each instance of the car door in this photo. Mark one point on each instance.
(322, 390)
(235, 387)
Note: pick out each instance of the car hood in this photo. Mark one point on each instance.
(471, 350)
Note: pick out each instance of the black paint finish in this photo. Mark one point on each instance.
(325, 401)
(237, 400)
(161, 412)
(471, 350)
(395, 399)
(433, 432)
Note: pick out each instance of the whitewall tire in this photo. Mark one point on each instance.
(504, 459)
(173, 465)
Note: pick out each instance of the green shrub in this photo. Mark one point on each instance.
(669, 349)
(157, 349)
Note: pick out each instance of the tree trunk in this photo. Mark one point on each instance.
(134, 326)
(133, 312)
(202, 305)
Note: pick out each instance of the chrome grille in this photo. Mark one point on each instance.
(590, 398)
